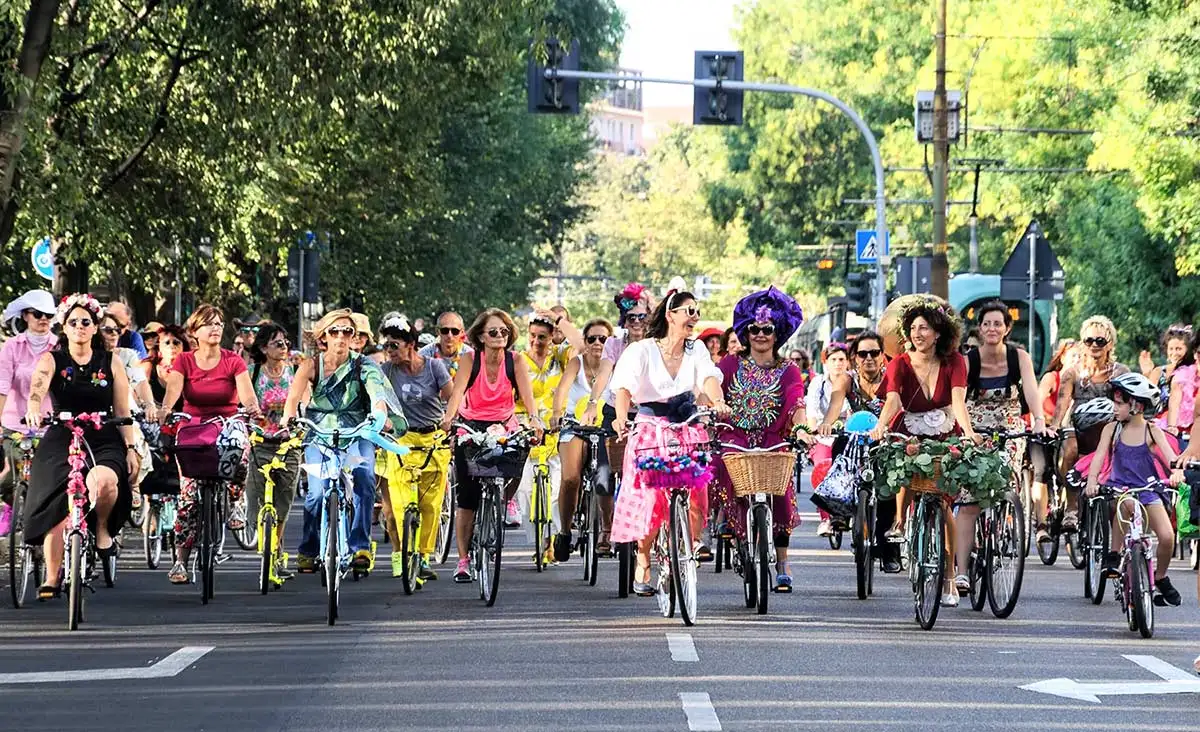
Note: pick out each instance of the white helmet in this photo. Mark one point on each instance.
(1093, 412)
(1139, 389)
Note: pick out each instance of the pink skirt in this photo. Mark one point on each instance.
(640, 508)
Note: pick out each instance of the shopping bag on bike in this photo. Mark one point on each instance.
(233, 449)
(1188, 507)
(837, 493)
(214, 449)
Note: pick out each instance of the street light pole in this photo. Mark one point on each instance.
(940, 275)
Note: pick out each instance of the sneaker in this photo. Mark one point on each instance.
(363, 560)
(962, 583)
(1165, 593)
(891, 566)
(5, 519)
(548, 558)
(397, 564)
(462, 571)
(562, 547)
(825, 528)
(512, 519)
(950, 599)
(643, 589)
(1043, 536)
(1196, 665)
(306, 564)
(281, 570)
(425, 572)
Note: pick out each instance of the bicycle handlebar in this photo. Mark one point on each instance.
(364, 430)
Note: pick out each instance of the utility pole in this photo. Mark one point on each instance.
(940, 275)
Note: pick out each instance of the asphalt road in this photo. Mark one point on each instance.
(556, 654)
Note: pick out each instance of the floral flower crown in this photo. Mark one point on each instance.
(78, 300)
(924, 303)
(628, 298)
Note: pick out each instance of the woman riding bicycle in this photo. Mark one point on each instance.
(81, 376)
(861, 390)
(926, 388)
(18, 357)
(484, 393)
(584, 382)
(662, 375)
(423, 386)
(1065, 356)
(1177, 388)
(212, 382)
(765, 395)
(819, 407)
(1134, 452)
(347, 389)
(1000, 383)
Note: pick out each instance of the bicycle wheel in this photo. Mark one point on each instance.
(75, 580)
(496, 550)
(591, 557)
(332, 559)
(762, 556)
(539, 520)
(21, 563)
(977, 571)
(1097, 531)
(445, 537)
(482, 528)
(408, 550)
(152, 535)
(931, 561)
(1048, 551)
(864, 529)
(1077, 542)
(835, 540)
(1194, 559)
(683, 561)
(1140, 593)
(664, 588)
(1006, 560)
(1026, 493)
(266, 537)
(204, 555)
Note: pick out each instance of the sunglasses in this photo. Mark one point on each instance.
(690, 310)
(761, 329)
(450, 331)
(596, 339)
(110, 330)
(498, 332)
(869, 353)
(250, 329)
(280, 343)
(39, 314)
(636, 317)
(80, 323)
(1098, 341)
(392, 346)
(342, 331)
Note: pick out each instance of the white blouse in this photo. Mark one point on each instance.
(643, 373)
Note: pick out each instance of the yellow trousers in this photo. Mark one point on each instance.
(409, 482)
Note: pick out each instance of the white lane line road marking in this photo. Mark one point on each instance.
(701, 716)
(682, 647)
(170, 666)
(1176, 681)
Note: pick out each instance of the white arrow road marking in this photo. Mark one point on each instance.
(701, 716)
(170, 666)
(1175, 681)
(682, 647)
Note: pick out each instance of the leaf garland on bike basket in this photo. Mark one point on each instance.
(955, 464)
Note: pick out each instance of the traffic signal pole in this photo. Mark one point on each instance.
(879, 295)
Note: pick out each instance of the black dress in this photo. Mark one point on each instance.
(76, 388)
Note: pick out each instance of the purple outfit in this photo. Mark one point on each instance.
(1133, 466)
(761, 401)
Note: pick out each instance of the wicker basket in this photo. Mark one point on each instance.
(760, 472)
(921, 484)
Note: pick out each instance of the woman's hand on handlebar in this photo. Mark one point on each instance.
(825, 430)
(973, 436)
(33, 419)
(539, 429)
(620, 425)
(879, 432)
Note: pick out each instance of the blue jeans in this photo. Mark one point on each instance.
(364, 500)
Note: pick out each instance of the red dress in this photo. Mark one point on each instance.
(922, 415)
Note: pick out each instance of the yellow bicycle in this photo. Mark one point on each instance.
(539, 510)
(409, 494)
(268, 518)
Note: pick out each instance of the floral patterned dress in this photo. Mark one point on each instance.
(761, 400)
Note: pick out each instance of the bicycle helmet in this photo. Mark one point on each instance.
(1139, 389)
(1093, 412)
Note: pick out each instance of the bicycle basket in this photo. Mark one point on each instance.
(212, 450)
(760, 472)
(921, 484)
(498, 461)
(675, 464)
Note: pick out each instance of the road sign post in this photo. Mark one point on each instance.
(866, 247)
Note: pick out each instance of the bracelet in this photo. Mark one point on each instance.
(131, 447)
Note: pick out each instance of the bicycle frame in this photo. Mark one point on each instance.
(268, 517)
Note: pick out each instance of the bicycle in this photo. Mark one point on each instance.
(588, 520)
(24, 562)
(997, 564)
(445, 536)
(539, 510)
(862, 526)
(81, 554)
(335, 556)
(1056, 490)
(410, 524)
(270, 555)
(673, 550)
(757, 474)
(499, 458)
(160, 498)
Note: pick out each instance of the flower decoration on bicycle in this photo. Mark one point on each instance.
(682, 466)
(495, 453)
(953, 467)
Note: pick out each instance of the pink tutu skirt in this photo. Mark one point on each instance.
(641, 508)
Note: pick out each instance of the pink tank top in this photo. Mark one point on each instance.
(490, 401)
(1186, 377)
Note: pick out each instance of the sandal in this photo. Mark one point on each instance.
(179, 574)
(604, 548)
(137, 499)
(48, 592)
(702, 551)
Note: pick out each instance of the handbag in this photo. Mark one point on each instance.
(215, 449)
(837, 493)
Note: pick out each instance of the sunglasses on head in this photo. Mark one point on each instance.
(601, 339)
(498, 332)
(450, 331)
(110, 330)
(636, 317)
(39, 314)
(869, 352)
(1098, 341)
(689, 310)
(761, 330)
(342, 330)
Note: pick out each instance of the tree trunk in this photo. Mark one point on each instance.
(35, 46)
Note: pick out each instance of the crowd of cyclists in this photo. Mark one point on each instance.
(1093, 421)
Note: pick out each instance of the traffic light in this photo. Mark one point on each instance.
(858, 293)
(825, 264)
(718, 106)
(553, 95)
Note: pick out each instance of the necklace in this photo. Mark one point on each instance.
(667, 356)
(924, 379)
(276, 375)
